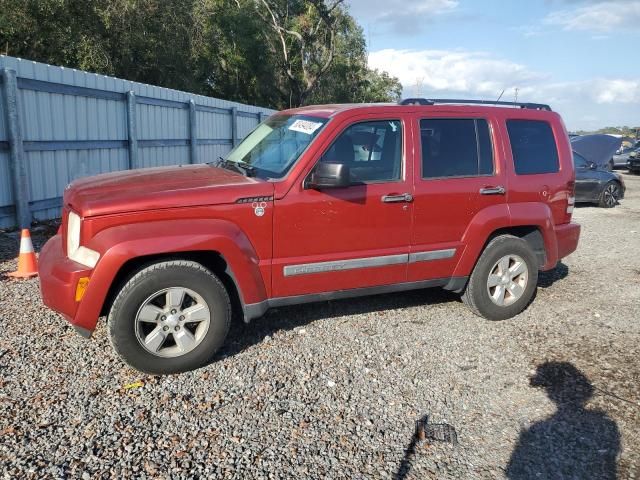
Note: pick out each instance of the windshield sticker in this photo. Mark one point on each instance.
(305, 126)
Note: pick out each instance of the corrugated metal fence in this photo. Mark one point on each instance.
(59, 124)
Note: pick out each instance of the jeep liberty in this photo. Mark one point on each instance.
(317, 203)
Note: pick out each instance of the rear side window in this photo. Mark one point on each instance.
(533, 147)
(455, 147)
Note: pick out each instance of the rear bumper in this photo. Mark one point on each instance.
(567, 237)
(58, 280)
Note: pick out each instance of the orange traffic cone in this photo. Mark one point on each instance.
(27, 262)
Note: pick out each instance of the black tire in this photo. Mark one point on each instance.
(610, 195)
(476, 294)
(145, 283)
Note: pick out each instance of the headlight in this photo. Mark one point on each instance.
(75, 252)
(73, 233)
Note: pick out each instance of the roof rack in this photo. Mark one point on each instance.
(434, 101)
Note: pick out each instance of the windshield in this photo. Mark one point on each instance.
(276, 144)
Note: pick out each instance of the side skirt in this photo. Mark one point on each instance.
(256, 310)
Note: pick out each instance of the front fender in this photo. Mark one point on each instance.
(119, 244)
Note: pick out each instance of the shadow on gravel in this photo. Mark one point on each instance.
(425, 432)
(547, 279)
(575, 442)
(40, 233)
(243, 336)
(405, 465)
(9, 247)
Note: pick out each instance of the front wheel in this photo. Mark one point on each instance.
(504, 279)
(170, 317)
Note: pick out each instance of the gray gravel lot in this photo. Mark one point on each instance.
(333, 390)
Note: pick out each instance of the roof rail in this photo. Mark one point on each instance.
(434, 101)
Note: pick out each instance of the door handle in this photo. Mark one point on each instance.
(499, 190)
(403, 197)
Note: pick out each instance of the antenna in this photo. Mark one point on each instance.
(515, 99)
(419, 84)
(501, 93)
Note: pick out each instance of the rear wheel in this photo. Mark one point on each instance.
(504, 279)
(170, 317)
(610, 195)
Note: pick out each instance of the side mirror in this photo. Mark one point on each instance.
(329, 175)
(592, 166)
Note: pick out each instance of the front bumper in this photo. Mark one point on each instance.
(58, 280)
(567, 237)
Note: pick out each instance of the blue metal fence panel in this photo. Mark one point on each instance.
(76, 124)
(6, 192)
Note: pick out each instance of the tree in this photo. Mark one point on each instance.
(349, 79)
(230, 57)
(273, 53)
(305, 39)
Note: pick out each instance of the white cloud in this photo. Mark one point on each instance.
(596, 91)
(475, 73)
(587, 104)
(402, 18)
(598, 17)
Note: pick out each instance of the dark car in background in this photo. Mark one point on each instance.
(633, 161)
(595, 184)
(597, 148)
(624, 154)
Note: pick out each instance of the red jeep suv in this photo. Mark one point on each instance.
(317, 203)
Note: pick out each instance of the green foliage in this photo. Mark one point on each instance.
(275, 53)
(631, 132)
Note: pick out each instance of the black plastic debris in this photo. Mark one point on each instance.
(435, 432)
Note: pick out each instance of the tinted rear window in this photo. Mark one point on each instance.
(533, 146)
(455, 147)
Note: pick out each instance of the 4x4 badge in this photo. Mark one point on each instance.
(258, 208)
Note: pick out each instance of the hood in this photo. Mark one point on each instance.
(598, 149)
(159, 188)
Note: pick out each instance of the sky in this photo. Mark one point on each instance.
(582, 57)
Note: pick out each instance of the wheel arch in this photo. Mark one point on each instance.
(531, 221)
(210, 259)
(219, 245)
(530, 234)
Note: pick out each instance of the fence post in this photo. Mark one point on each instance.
(193, 132)
(234, 126)
(132, 129)
(17, 159)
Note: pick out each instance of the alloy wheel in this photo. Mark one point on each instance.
(611, 194)
(172, 322)
(507, 280)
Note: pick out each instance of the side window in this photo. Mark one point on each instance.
(455, 147)
(372, 150)
(533, 147)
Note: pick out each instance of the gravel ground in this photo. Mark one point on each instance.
(334, 390)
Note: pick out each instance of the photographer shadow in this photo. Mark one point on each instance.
(575, 442)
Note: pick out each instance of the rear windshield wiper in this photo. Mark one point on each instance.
(240, 166)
